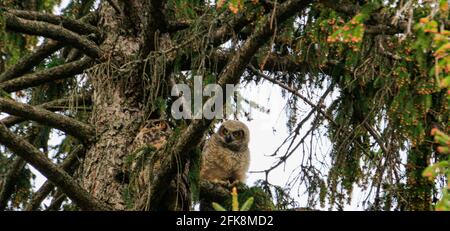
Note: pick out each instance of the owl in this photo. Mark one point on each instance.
(226, 156)
(153, 134)
(151, 137)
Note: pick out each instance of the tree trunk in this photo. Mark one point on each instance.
(117, 112)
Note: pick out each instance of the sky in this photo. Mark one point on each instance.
(267, 132)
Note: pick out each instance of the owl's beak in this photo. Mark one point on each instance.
(228, 138)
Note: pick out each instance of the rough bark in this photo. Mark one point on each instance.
(117, 113)
(64, 71)
(71, 126)
(52, 31)
(31, 60)
(55, 105)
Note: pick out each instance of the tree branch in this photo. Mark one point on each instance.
(57, 176)
(57, 201)
(115, 6)
(224, 33)
(74, 25)
(230, 75)
(317, 107)
(31, 60)
(273, 62)
(154, 20)
(376, 136)
(58, 33)
(71, 126)
(54, 105)
(59, 72)
(9, 182)
(174, 26)
(210, 192)
(69, 165)
(15, 170)
(381, 26)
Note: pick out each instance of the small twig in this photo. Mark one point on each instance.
(285, 157)
(376, 136)
(387, 53)
(319, 106)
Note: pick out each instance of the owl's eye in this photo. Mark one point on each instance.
(238, 134)
(162, 125)
(224, 131)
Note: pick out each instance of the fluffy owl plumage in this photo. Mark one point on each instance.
(153, 134)
(226, 156)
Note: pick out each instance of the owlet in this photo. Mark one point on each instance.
(226, 156)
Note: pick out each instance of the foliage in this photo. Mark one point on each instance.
(441, 168)
(235, 203)
(440, 43)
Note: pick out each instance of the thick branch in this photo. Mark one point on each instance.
(58, 33)
(74, 25)
(213, 192)
(11, 179)
(17, 167)
(230, 75)
(69, 165)
(154, 21)
(54, 105)
(177, 26)
(49, 75)
(31, 60)
(58, 177)
(71, 126)
(115, 6)
(225, 32)
(157, 19)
